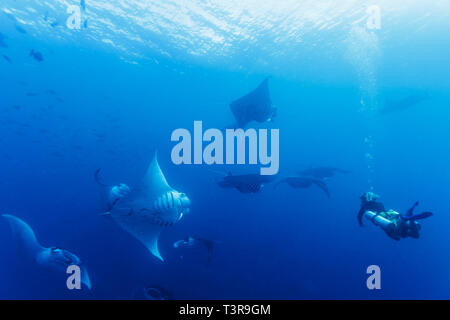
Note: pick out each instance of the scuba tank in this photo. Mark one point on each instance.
(380, 221)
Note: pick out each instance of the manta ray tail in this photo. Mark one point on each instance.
(24, 234)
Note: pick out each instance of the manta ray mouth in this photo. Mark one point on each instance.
(162, 222)
(155, 218)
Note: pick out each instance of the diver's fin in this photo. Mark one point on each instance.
(411, 210)
(419, 216)
(24, 234)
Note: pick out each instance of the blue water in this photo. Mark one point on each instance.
(136, 72)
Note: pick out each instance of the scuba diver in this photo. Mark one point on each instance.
(395, 225)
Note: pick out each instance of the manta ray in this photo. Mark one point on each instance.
(322, 172)
(52, 257)
(194, 242)
(392, 106)
(305, 182)
(254, 106)
(247, 183)
(149, 209)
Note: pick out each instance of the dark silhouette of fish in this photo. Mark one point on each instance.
(36, 55)
(305, 182)
(191, 242)
(155, 292)
(403, 104)
(322, 172)
(247, 183)
(254, 106)
(20, 29)
(7, 58)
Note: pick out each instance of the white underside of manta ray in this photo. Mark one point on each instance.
(151, 208)
(53, 257)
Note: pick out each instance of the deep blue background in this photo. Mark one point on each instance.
(279, 244)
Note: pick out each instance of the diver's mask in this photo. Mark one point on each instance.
(370, 196)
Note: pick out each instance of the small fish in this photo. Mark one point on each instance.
(54, 24)
(36, 55)
(31, 94)
(7, 58)
(51, 92)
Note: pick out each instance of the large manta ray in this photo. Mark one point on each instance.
(150, 208)
(403, 104)
(247, 183)
(254, 106)
(53, 257)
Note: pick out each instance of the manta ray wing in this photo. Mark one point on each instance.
(254, 106)
(85, 278)
(154, 184)
(143, 226)
(25, 235)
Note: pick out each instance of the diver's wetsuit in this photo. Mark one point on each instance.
(404, 225)
(373, 205)
(407, 225)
